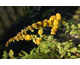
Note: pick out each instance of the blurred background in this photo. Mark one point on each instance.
(15, 18)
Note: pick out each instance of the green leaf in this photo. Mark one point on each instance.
(24, 57)
(79, 25)
(68, 28)
(11, 53)
(73, 26)
(20, 54)
(5, 54)
(33, 39)
(25, 53)
(61, 50)
(79, 51)
(73, 57)
(78, 33)
(73, 50)
(50, 37)
(69, 54)
(74, 32)
(59, 45)
(61, 34)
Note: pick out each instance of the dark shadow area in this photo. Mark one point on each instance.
(66, 11)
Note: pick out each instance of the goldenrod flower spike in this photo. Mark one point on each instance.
(53, 21)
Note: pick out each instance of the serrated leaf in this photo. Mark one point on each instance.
(79, 25)
(73, 49)
(59, 45)
(67, 28)
(50, 37)
(61, 50)
(74, 32)
(73, 26)
(66, 47)
(11, 53)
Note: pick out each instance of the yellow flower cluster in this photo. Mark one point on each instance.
(40, 32)
(38, 41)
(55, 20)
(52, 22)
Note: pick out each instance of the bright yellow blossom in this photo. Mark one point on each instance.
(39, 23)
(16, 38)
(38, 41)
(44, 24)
(23, 35)
(56, 26)
(53, 33)
(55, 22)
(53, 30)
(45, 20)
(29, 27)
(58, 16)
(52, 17)
(49, 23)
(27, 37)
(40, 32)
(34, 25)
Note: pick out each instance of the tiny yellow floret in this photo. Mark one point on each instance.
(53, 17)
(40, 32)
(49, 23)
(27, 37)
(58, 16)
(55, 22)
(63, 22)
(34, 25)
